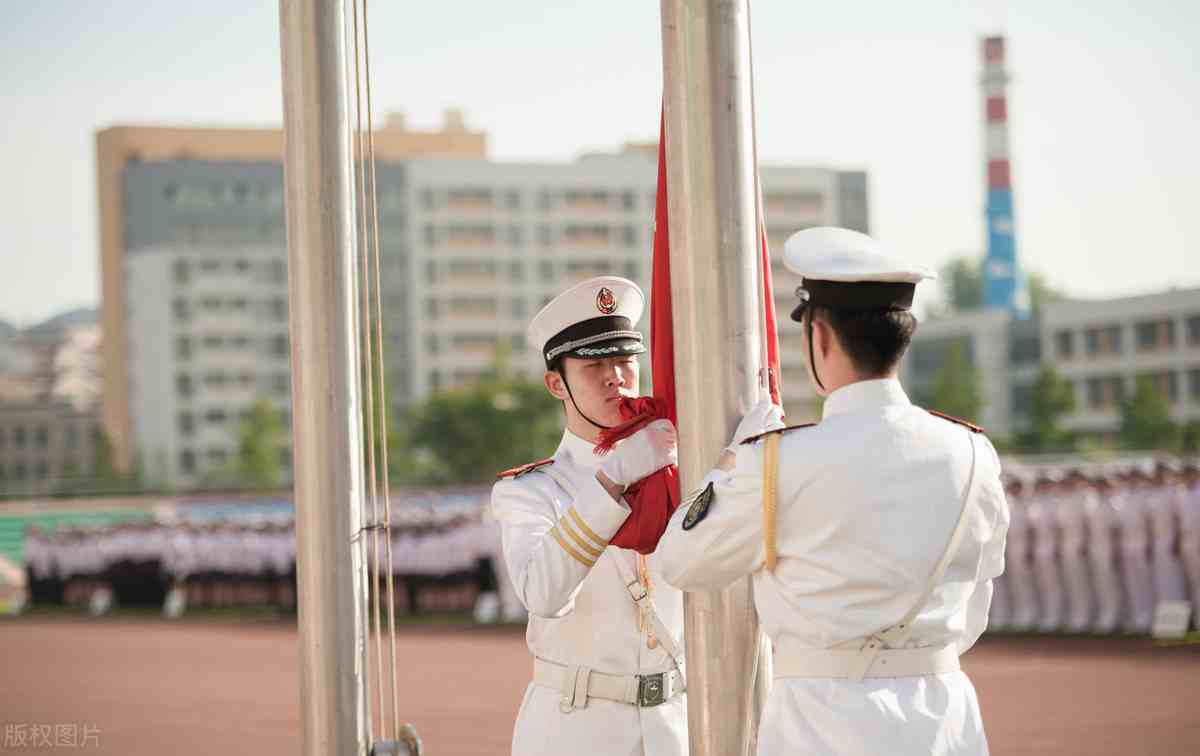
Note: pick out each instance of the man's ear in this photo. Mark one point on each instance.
(823, 336)
(555, 384)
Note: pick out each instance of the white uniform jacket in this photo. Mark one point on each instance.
(867, 503)
(556, 521)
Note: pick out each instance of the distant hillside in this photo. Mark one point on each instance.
(53, 325)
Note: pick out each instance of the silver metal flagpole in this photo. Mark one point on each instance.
(714, 290)
(327, 415)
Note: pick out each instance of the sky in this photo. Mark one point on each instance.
(1104, 109)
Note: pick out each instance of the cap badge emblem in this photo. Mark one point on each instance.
(605, 301)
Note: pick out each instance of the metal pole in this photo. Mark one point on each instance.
(327, 416)
(714, 290)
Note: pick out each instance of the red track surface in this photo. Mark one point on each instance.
(204, 688)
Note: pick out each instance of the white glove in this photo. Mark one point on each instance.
(647, 451)
(762, 417)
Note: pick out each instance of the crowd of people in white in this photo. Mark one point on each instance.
(1091, 549)
(1098, 549)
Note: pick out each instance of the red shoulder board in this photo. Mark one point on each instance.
(956, 420)
(517, 472)
(761, 436)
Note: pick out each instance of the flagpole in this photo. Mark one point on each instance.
(712, 218)
(327, 442)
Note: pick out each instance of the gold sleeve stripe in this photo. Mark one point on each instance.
(570, 549)
(583, 527)
(588, 548)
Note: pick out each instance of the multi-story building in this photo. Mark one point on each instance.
(220, 190)
(48, 407)
(1100, 347)
(470, 249)
(1104, 346)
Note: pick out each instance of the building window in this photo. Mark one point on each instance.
(516, 271)
(217, 456)
(1194, 385)
(431, 308)
(430, 236)
(472, 307)
(518, 308)
(70, 436)
(41, 437)
(512, 199)
(210, 266)
(279, 309)
(182, 271)
(515, 236)
(629, 236)
(592, 235)
(180, 306)
(546, 270)
(277, 271)
(183, 348)
(1102, 341)
(427, 199)
(242, 266)
(544, 200)
(183, 384)
(1155, 335)
(631, 271)
(435, 380)
(212, 341)
(627, 199)
(281, 384)
(187, 423)
(585, 199)
(1105, 392)
(42, 470)
(279, 345)
(470, 199)
(544, 236)
(187, 461)
(1065, 344)
(433, 344)
(1193, 330)
(215, 416)
(1165, 382)
(214, 380)
(430, 271)
(461, 235)
(3, 438)
(19, 471)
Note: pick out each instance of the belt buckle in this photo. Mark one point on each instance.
(652, 689)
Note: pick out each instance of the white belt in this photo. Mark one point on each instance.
(578, 684)
(887, 662)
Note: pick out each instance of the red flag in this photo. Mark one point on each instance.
(654, 499)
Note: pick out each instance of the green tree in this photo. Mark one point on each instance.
(1052, 398)
(964, 283)
(963, 279)
(260, 439)
(1146, 418)
(1041, 292)
(956, 385)
(468, 435)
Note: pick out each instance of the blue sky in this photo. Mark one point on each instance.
(1104, 108)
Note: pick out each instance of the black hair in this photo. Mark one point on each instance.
(874, 340)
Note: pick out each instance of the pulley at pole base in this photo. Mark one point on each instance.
(409, 744)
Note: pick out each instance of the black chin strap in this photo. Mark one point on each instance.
(576, 405)
(812, 360)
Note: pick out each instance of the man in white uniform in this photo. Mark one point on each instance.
(1075, 503)
(1135, 550)
(1102, 552)
(888, 528)
(1018, 564)
(1189, 535)
(605, 631)
(1043, 521)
